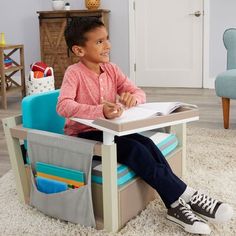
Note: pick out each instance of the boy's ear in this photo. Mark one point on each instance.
(78, 51)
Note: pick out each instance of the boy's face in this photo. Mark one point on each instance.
(97, 47)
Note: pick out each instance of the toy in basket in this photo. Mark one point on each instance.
(41, 79)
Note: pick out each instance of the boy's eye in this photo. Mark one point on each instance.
(99, 41)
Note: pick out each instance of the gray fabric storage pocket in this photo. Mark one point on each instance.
(73, 205)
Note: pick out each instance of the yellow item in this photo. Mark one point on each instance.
(2, 41)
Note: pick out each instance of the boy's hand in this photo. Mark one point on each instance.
(112, 110)
(128, 100)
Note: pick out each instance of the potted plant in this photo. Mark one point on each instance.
(58, 4)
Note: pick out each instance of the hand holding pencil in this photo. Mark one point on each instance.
(112, 110)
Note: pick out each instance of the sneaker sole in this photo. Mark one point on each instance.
(212, 220)
(207, 219)
(184, 226)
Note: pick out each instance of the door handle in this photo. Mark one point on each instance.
(196, 13)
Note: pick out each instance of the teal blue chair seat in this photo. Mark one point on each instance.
(225, 83)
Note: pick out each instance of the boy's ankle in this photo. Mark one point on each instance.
(186, 196)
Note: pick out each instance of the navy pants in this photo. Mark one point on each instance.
(141, 155)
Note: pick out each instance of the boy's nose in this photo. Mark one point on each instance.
(108, 44)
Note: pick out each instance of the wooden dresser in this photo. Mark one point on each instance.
(54, 51)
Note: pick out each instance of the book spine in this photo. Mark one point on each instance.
(68, 181)
(61, 172)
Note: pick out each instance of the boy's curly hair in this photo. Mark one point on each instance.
(78, 27)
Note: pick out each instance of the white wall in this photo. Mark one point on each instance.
(21, 27)
(19, 22)
(222, 16)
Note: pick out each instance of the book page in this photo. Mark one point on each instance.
(147, 110)
(134, 113)
(165, 108)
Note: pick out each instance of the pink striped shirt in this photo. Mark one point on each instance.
(83, 91)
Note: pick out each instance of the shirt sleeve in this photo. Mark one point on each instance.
(124, 84)
(67, 106)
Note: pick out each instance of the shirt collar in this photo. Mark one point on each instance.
(88, 71)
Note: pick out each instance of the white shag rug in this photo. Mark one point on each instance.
(211, 166)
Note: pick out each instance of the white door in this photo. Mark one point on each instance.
(168, 43)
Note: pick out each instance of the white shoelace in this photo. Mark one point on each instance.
(204, 202)
(187, 211)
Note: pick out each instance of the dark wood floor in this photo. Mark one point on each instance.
(209, 106)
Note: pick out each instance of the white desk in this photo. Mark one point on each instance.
(109, 159)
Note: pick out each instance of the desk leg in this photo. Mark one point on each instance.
(110, 194)
(180, 131)
(17, 163)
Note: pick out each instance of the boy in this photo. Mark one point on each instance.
(89, 90)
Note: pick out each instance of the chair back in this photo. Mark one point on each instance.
(39, 112)
(229, 38)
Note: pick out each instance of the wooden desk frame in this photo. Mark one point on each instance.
(14, 133)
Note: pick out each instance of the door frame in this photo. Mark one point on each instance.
(206, 81)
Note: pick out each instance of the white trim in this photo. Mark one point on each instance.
(207, 82)
(131, 40)
(210, 83)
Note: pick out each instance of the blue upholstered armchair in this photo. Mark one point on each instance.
(225, 83)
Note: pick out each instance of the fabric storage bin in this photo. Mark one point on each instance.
(133, 193)
(34, 86)
(133, 197)
(73, 205)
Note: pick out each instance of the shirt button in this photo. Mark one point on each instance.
(102, 89)
(101, 97)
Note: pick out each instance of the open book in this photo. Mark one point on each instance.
(148, 114)
(151, 109)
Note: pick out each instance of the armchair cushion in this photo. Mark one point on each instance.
(225, 84)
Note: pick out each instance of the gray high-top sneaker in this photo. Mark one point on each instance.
(183, 216)
(210, 209)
